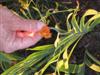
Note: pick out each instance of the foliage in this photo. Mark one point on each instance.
(56, 56)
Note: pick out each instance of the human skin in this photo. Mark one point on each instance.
(10, 39)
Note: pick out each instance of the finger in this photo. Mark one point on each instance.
(28, 25)
(14, 22)
(21, 43)
(8, 15)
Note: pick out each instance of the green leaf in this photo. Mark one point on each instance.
(73, 68)
(90, 12)
(36, 9)
(68, 56)
(94, 23)
(48, 13)
(67, 39)
(75, 24)
(92, 57)
(28, 62)
(58, 51)
(60, 66)
(57, 40)
(44, 47)
(24, 14)
(88, 24)
(6, 57)
(82, 20)
(67, 22)
(91, 65)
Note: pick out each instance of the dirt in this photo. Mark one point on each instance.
(91, 41)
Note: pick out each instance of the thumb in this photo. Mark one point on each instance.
(18, 42)
(21, 43)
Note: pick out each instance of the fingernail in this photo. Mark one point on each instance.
(40, 25)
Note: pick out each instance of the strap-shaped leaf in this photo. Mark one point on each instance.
(24, 14)
(67, 22)
(90, 12)
(4, 58)
(68, 39)
(91, 65)
(95, 67)
(57, 40)
(87, 13)
(66, 56)
(44, 47)
(36, 9)
(8, 57)
(28, 62)
(75, 24)
(73, 68)
(88, 24)
(94, 23)
(67, 42)
(92, 57)
(37, 66)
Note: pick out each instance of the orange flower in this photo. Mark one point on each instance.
(45, 32)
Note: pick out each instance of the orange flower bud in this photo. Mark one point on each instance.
(45, 32)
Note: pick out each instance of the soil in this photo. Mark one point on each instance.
(91, 40)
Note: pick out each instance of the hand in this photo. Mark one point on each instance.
(10, 39)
